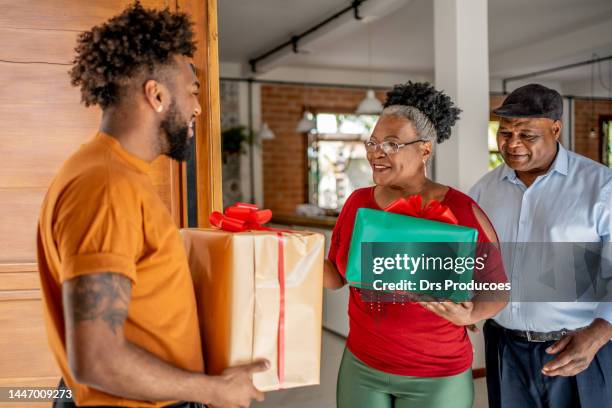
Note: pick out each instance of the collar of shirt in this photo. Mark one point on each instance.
(560, 165)
(138, 163)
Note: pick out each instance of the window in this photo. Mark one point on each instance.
(337, 159)
(495, 158)
(607, 142)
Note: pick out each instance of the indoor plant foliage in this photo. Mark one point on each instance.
(233, 144)
(233, 141)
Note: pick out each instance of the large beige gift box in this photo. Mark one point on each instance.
(259, 295)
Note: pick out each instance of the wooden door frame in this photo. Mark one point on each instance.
(208, 124)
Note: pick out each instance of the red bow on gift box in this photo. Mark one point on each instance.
(240, 217)
(413, 206)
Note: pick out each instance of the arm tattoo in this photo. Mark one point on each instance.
(104, 296)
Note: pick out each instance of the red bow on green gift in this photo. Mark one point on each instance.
(240, 217)
(413, 206)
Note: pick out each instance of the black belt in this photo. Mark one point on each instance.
(533, 336)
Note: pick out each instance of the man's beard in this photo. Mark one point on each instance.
(178, 143)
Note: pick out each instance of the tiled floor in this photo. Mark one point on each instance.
(324, 395)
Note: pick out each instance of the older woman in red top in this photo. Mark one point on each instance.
(409, 354)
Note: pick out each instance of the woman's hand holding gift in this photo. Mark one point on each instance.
(460, 313)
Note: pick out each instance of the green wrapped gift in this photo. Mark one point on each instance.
(392, 252)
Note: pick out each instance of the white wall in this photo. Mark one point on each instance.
(230, 69)
(462, 71)
(576, 44)
(583, 87)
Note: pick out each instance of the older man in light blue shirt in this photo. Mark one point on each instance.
(544, 349)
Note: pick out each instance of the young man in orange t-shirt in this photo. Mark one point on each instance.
(119, 303)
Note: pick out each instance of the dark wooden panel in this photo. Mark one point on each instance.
(36, 142)
(37, 84)
(25, 294)
(29, 45)
(24, 342)
(19, 281)
(41, 123)
(18, 218)
(18, 267)
(78, 15)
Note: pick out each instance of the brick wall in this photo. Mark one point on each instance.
(495, 102)
(587, 115)
(284, 157)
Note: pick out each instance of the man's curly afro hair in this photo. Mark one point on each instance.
(111, 54)
(436, 105)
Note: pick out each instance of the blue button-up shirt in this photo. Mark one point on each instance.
(572, 202)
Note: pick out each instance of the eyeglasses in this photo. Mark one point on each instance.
(388, 147)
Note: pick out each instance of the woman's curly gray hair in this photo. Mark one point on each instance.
(424, 127)
(438, 107)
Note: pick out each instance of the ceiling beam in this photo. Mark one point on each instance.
(368, 11)
(553, 51)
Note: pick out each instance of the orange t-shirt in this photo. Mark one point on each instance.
(102, 214)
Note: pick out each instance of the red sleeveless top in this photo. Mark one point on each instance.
(405, 338)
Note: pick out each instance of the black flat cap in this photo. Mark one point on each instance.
(532, 101)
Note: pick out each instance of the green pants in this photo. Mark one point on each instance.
(360, 386)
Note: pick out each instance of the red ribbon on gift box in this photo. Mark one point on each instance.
(413, 206)
(242, 217)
